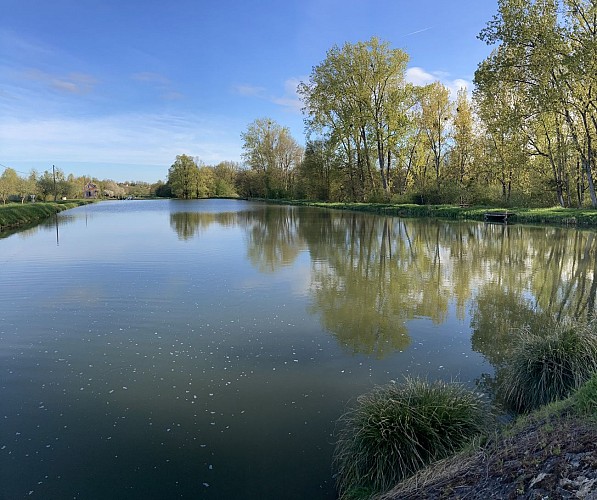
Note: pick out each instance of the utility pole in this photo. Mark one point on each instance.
(54, 174)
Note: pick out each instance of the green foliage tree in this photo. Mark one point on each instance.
(46, 185)
(270, 150)
(248, 183)
(182, 177)
(357, 98)
(319, 172)
(546, 60)
(463, 152)
(225, 178)
(436, 115)
(161, 189)
(9, 184)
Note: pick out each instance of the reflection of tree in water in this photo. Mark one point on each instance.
(372, 275)
(537, 281)
(498, 316)
(273, 239)
(190, 224)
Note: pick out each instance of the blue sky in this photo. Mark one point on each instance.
(117, 88)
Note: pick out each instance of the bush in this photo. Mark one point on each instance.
(395, 430)
(546, 368)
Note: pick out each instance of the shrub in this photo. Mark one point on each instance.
(548, 367)
(395, 430)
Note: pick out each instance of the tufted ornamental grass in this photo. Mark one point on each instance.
(397, 429)
(548, 367)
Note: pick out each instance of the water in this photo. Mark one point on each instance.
(205, 349)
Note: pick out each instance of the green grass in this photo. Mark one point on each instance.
(585, 399)
(541, 435)
(397, 429)
(585, 217)
(548, 367)
(16, 214)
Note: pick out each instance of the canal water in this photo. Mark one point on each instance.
(205, 349)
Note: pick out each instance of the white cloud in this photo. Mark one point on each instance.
(419, 76)
(458, 84)
(289, 100)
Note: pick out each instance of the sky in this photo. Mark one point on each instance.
(115, 89)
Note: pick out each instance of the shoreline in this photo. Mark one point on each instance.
(16, 215)
(550, 452)
(579, 217)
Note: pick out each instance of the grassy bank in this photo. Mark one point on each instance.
(550, 453)
(15, 215)
(395, 431)
(554, 215)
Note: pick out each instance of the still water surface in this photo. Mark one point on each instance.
(205, 349)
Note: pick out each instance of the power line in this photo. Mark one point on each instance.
(17, 171)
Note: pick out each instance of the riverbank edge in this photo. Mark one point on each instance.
(15, 215)
(550, 451)
(582, 217)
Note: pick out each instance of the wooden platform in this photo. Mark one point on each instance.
(497, 217)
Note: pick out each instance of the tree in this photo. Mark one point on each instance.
(462, 153)
(112, 190)
(357, 98)
(248, 184)
(547, 55)
(205, 182)
(45, 185)
(25, 187)
(161, 189)
(319, 172)
(224, 178)
(182, 176)
(436, 113)
(270, 150)
(9, 181)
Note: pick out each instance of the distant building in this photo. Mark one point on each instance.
(91, 190)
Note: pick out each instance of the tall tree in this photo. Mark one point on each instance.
(182, 176)
(358, 98)
(547, 53)
(271, 151)
(9, 181)
(436, 114)
(320, 171)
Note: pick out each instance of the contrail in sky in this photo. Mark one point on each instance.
(418, 31)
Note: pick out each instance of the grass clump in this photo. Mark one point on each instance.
(549, 367)
(585, 399)
(395, 430)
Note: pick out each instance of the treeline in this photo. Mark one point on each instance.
(526, 136)
(56, 185)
